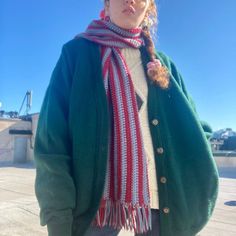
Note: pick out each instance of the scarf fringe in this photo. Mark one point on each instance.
(122, 215)
(127, 161)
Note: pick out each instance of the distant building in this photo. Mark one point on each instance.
(223, 139)
(229, 144)
(17, 137)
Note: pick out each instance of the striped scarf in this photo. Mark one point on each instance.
(125, 202)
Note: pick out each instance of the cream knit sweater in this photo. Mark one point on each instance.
(133, 60)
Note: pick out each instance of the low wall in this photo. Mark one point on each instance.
(17, 139)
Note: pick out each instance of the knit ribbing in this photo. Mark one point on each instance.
(133, 60)
(126, 199)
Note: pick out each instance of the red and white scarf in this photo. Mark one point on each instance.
(126, 200)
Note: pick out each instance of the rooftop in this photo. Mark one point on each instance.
(20, 211)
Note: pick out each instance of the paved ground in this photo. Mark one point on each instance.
(19, 209)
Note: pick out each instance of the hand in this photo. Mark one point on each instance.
(153, 65)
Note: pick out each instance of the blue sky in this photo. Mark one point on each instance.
(199, 36)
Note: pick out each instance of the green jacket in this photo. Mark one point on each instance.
(71, 148)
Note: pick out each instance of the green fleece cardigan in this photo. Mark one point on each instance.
(71, 148)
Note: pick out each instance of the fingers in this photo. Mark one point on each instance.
(152, 65)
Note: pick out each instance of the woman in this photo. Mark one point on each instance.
(119, 143)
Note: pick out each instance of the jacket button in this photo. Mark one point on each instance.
(155, 122)
(160, 150)
(163, 180)
(166, 210)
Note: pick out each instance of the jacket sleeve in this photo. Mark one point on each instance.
(179, 79)
(54, 185)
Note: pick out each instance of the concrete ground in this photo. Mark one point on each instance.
(19, 208)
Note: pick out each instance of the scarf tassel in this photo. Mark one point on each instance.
(114, 210)
(122, 215)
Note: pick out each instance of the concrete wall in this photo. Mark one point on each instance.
(17, 147)
(6, 140)
(225, 162)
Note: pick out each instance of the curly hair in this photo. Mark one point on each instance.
(159, 75)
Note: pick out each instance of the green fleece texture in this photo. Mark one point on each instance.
(60, 229)
(71, 147)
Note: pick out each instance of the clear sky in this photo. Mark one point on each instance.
(200, 37)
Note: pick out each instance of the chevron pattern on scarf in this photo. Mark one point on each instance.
(126, 201)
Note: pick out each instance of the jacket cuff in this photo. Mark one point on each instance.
(64, 229)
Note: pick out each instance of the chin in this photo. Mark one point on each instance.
(129, 26)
